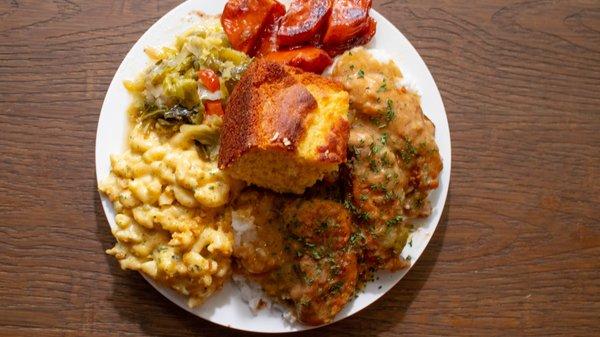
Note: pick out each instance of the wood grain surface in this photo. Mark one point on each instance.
(517, 252)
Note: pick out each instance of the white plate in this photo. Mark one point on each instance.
(226, 307)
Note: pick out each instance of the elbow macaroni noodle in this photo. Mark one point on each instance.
(170, 221)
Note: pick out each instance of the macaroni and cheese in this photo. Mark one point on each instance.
(170, 221)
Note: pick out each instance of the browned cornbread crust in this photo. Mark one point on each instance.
(267, 101)
(269, 113)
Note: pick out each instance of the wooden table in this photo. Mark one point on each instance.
(517, 251)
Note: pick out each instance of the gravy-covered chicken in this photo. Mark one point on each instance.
(394, 158)
(300, 251)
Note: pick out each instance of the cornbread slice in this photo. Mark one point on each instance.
(284, 129)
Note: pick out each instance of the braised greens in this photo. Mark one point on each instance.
(170, 91)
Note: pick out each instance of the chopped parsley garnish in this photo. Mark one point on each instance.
(389, 112)
(385, 161)
(384, 138)
(315, 253)
(336, 287)
(419, 201)
(378, 187)
(375, 148)
(360, 74)
(383, 87)
(355, 238)
(394, 221)
(389, 195)
(361, 215)
(409, 151)
(373, 165)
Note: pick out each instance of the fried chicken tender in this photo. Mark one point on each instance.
(311, 265)
(327, 266)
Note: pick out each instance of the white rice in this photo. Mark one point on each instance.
(243, 227)
(251, 292)
(409, 85)
(257, 300)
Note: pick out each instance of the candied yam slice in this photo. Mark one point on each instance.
(267, 42)
(245, 20)
(307, 58)
(360, 39)
(303, 20)
(348, 19)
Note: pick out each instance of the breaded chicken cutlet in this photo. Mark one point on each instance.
(299, 250)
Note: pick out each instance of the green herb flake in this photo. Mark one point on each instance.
(336, 287)
(384, 138)
(394, 221)
(389, 112)
(389, 196)
(315, 254)
(375, 148)
(383, 87)
(360, 74)
(378, 187)
(385, 162)
(373, 165)
(409, 151)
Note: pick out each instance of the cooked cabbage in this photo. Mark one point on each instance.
(169, 90)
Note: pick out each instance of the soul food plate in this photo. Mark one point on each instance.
(226, 307)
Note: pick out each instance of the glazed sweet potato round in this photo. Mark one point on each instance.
(349, 18)
(245, 20)
(310, 59)
(303, 21)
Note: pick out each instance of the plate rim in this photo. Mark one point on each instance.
(163, 290)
